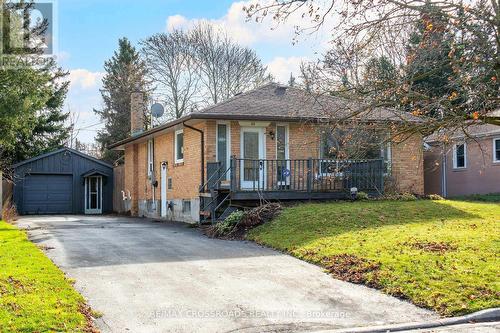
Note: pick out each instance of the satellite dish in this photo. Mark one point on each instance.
(157, 110)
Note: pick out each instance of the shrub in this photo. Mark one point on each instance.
(407, 197)
(9, 211)
(260, 215)
(434, 197)
(225, 227)
(400, 197)
(362, 196)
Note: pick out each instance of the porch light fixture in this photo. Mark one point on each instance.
(271, 134)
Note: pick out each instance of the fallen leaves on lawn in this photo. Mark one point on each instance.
(89, 318)
(440, 247)
(352, 268)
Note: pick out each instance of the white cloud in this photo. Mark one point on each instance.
(244, 31)
(83, 96)
(85, 79)
(176, 22)
(281, 67)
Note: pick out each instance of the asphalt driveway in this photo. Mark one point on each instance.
(147, 276)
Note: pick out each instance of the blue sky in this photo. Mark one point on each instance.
(89, 30)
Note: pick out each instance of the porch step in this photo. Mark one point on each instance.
(205, 195)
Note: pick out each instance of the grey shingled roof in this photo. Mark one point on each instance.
(474, 130)
(276, 101)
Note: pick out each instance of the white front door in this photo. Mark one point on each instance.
(253, 173)
(93, 195)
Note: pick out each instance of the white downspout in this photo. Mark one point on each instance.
(443, 172)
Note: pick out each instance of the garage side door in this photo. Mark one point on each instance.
(48, 194)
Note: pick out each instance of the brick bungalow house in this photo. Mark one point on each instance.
(268, 143)
(463, 162)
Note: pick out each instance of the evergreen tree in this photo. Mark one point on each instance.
(31, 97)
(125, 72)
(429, 71)
(379, 72)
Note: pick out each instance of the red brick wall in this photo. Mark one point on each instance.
(407, 159)
(186, 177)
(408, 164)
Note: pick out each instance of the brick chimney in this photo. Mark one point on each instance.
(136, 113)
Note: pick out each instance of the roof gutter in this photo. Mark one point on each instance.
(202, 151)
(150, 132)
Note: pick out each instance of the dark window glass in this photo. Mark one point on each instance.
(186, 206)
(460, 156)
(251, 156)
(281, 153)
(222, 145)
(180, 146)
(497, 150)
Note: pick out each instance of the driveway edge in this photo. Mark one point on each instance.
(488, 315)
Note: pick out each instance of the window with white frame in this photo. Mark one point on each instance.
(150, 157)
(496, 150)
(179, 146)
(459, 156)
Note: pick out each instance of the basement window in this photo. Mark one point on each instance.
(186, 206)
(179, 146)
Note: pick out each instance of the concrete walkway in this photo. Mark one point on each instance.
(147, 276)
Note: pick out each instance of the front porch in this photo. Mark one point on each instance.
(246, 180)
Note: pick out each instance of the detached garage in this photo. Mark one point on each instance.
(64, 181)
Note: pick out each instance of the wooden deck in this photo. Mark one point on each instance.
(282, 180)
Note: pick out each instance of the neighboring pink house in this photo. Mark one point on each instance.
(463, 163)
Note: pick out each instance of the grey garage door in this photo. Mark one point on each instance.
(48, 194)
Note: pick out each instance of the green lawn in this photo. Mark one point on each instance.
(442, 255)
(35, 296)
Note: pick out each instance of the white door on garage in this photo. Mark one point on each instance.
(48, 194)
(93, 195)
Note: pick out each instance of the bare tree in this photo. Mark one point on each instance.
(226, 68)
(459, 43)
(174, 70)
